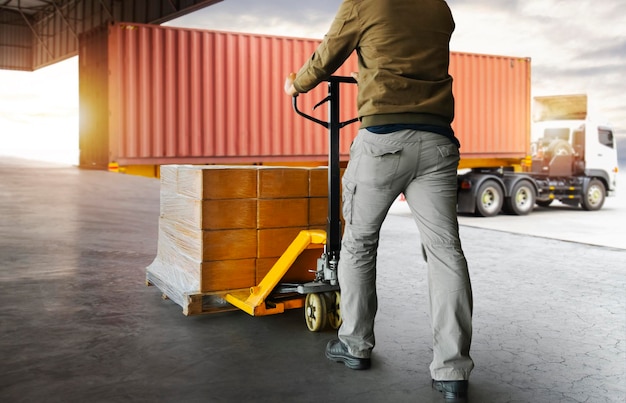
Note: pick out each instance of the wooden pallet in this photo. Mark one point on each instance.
(192, 303)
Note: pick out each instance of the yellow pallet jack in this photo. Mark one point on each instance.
(320, 297)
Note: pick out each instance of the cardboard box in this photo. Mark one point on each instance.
(228, 214)
(274, 241)
(281, 182)
(209, 214)
(318, 182)
(281, 213)
(217, 182)
(228, 275)
(203, 245)
(318, 211)
(301, 271)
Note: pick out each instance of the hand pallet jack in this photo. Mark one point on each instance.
(320, 297)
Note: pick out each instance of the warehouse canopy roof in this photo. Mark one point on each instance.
(36, 33)
(25, 6)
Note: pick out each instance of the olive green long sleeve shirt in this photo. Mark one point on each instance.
(403, 57)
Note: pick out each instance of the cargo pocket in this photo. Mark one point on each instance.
(378, 164)
(448, 156)
(347, 197)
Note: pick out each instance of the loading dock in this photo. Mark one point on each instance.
(79, 323)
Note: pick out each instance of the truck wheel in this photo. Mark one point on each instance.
(522, 199)
(489, 199)
(593, 199)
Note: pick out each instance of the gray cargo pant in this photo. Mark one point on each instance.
(423, 166)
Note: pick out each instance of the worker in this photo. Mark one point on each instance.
(405, 144)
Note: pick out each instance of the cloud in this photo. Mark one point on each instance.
(280, 17)
(610, 50)
(575, 47)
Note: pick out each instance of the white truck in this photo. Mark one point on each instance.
(573, 160)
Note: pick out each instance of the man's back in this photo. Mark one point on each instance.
(403, 48)
(404, 56)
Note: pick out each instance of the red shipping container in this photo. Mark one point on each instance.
(178, 95)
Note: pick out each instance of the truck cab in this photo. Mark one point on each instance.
(569, 145)
(573, 160)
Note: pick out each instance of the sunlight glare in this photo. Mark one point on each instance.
(39, 113)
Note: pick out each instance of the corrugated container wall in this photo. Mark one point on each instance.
(492, 105)
(179, 95)
(193, 96)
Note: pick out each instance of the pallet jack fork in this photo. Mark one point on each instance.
(320, 297)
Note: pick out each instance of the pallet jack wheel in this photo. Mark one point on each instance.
(334, 312)
(315, 312)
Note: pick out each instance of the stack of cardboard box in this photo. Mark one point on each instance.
(223, 227)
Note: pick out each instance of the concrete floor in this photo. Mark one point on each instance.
(78, 323)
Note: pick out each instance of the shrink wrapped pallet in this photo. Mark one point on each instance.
(222, 228)
(207, 230)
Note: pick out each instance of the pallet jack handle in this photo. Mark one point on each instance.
(334, 125)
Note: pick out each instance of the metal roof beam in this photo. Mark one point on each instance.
(32, 29)
(106, 9)
(53, 27)
(32, 9)
(173, 5)
(69, 26)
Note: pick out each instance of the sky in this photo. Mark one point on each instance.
(575, 47)
(39, 113)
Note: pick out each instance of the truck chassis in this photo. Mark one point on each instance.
(487, 191)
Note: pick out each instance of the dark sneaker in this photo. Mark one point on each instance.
(451, 389)
(337, 351)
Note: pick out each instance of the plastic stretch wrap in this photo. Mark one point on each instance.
(222, 228)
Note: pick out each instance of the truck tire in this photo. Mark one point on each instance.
(489, 199)
(522, 199)
(594, 196)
